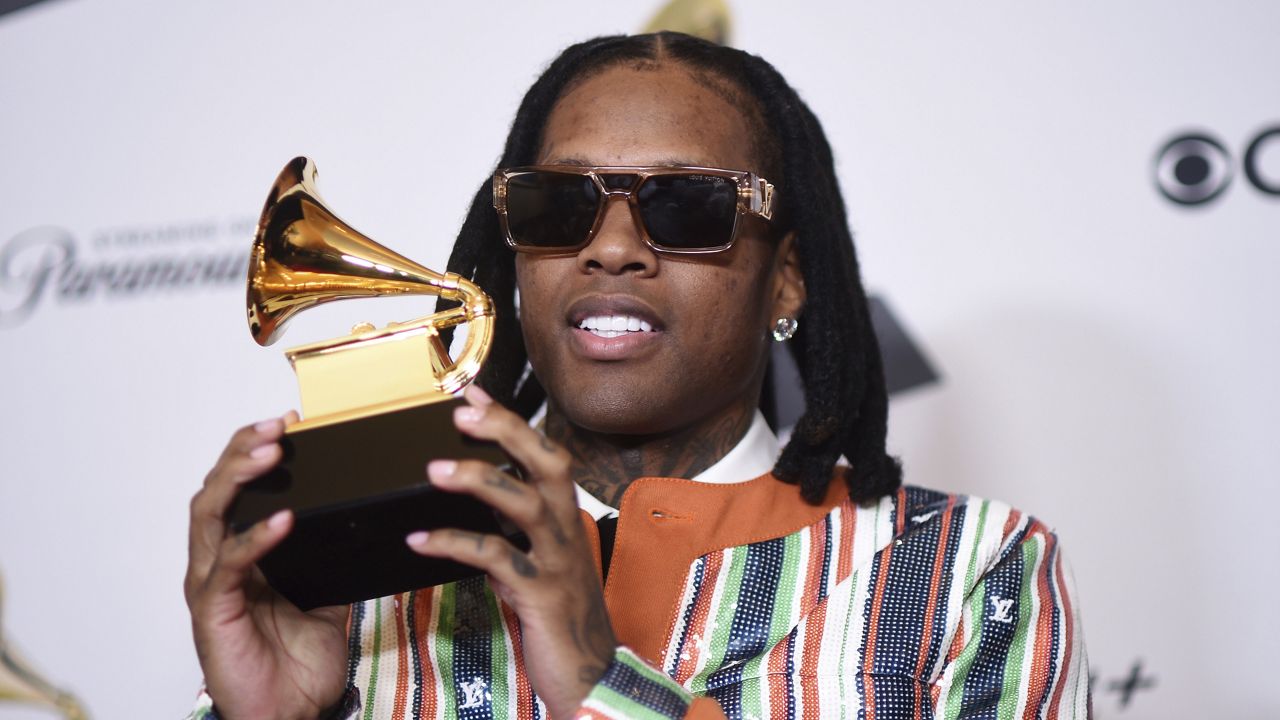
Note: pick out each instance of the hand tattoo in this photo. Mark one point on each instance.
(477, 537)
(522, 565)
(594, 639)
(501, 481)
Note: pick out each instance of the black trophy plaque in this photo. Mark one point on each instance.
(357, 488)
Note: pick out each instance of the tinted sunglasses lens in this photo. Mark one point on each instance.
(550, 210)
(688, 212)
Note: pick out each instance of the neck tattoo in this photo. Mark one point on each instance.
(606, 465)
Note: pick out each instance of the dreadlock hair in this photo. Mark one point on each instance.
(835, 348)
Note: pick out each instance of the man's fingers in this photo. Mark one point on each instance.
(209, 506)
(239, 552)
(252, 450)
(486, 420)
(476, 395)
(251, 436)
(519, 502)
(490, 553)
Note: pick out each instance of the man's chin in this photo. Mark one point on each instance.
(620, 415)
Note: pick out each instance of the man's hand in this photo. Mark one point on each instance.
(554, 587)
(261, 656)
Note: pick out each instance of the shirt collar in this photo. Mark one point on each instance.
(753, 456)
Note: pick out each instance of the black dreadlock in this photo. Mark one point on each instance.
(835, 348)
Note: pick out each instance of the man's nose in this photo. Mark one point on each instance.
(618, 247)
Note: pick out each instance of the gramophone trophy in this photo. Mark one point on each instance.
(376, 406)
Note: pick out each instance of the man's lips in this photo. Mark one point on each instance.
(614, 313)
(613, 327)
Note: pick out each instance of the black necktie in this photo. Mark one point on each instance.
(608, 529)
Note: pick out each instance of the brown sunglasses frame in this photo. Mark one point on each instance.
(755, 197)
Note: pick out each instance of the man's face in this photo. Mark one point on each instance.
(702, 343)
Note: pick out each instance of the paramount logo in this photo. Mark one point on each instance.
(47, 264)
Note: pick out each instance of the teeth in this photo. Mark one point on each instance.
(611, 326)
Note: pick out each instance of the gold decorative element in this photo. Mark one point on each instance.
(707, 19)
(304, 255)
(20, 683)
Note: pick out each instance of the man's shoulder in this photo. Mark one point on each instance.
(933, 521)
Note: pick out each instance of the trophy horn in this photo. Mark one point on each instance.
(304, 255)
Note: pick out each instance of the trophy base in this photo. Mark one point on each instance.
(357, 488)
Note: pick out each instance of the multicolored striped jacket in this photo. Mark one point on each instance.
(743, 601)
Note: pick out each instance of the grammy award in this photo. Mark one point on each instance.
(376, 407)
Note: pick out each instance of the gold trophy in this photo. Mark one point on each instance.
(376, 406)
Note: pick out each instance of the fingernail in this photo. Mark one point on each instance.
(477, 395)
(439, 470)
(262, 451)
(267, 425)
(417, 539)
(278, 520)
(468, 415)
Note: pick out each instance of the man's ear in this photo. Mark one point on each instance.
(788, 281)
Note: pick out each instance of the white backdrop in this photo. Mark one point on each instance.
(1108, 357)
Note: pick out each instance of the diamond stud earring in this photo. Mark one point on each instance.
(784, 329)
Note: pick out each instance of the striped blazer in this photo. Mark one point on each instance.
(743, 601)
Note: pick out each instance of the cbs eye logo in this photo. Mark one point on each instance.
(1195, 168)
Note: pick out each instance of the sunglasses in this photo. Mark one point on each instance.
(559, 208)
